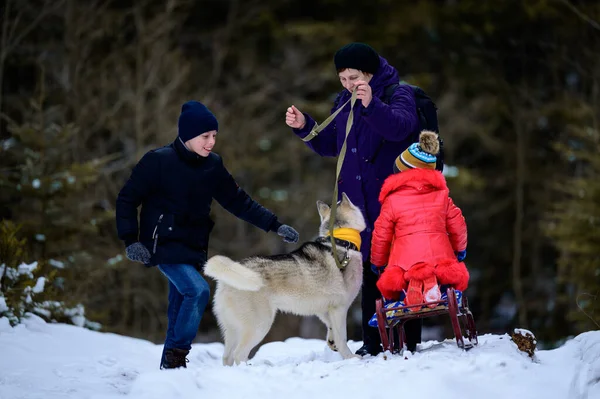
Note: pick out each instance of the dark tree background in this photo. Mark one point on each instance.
(88, 87)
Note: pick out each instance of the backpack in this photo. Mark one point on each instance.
(427, 114)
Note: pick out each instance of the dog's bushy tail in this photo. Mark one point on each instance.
(232, 273)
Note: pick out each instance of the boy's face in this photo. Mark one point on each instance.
(349, 77)
(203, 144)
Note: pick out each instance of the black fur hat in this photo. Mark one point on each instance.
(357, 56)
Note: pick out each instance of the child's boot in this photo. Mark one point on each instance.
(431, 291)
(414, 294)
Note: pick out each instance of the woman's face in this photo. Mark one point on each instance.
(203, 144)
(349, 77)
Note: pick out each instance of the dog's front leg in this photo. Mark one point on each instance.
(337, 317)
(324, 317)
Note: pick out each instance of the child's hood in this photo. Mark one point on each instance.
(418, 179)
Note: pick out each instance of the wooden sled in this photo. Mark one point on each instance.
(394, 317)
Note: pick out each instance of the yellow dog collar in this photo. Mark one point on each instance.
(348, 234)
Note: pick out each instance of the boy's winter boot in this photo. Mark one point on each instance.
(175, 358)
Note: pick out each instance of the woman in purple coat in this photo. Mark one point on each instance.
(382, 129)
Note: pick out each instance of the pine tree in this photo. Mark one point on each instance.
(32, 288)
(574, 224)
(52, 199)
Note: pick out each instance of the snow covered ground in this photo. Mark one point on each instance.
(52, 361)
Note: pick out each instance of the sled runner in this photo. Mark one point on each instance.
(392, 315)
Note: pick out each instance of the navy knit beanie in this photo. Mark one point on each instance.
(194, 120)
(357, 56)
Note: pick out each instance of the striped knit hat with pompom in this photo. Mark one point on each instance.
(419, 155)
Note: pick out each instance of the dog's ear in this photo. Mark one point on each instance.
(346, 200)
(323, 209)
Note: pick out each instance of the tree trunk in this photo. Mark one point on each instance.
(517, 281)
(139, 81)
(3, 54)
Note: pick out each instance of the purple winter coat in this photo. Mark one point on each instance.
(379, 134)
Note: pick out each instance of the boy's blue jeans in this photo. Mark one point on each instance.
(188, 297)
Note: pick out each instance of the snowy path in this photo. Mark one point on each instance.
(52, 361)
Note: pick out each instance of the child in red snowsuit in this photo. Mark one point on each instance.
(420, 234)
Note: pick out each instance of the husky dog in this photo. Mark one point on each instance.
(305, 282)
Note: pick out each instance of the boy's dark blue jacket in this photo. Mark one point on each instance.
(175, 188)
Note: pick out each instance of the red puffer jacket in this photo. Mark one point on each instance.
(419, 223)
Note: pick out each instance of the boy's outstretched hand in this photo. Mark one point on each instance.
(288, 233)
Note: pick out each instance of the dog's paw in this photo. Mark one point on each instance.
(332, 346)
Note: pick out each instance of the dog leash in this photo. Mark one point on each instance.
(314, 133)
(317, 129)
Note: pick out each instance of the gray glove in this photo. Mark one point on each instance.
(288, 233)
(137, 252)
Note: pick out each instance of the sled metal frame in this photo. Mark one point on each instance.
(458, 315)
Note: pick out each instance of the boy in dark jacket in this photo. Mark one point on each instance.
(175, 186)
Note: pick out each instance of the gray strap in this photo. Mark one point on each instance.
(340, 162)
(314, 132)
(317, 129)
